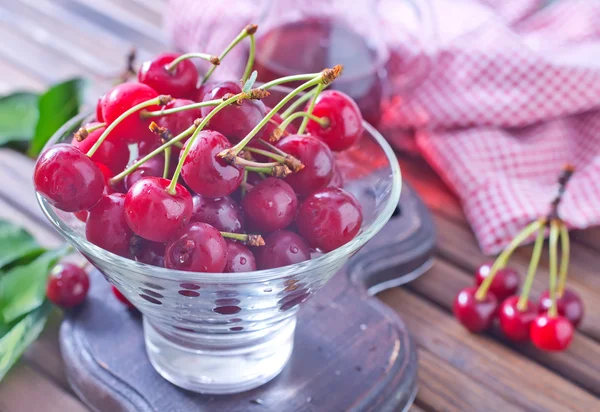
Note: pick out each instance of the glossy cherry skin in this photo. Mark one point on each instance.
(201, 91)
(179, 82)
(282, 248)
(68, 179)
(147, 143)
(121, 98)
(121, 298)
(99, 114)
(239, 258)
(345, 120)
(317, 159)
(152, 168)
(234, 121)
(114, 153)
(505, 283)
(270, 205)
(569, 305)
(475, 315)
(515, 323)
(551, 333)
(68, 285)
(199, 248)
(206, 173)
(145, 251)
(180, 121)
(329, 218)
(153, 213)
(107, 227)
(222, 212)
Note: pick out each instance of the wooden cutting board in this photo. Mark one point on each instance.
(351, 351)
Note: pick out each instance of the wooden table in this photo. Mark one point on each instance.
(48, 40)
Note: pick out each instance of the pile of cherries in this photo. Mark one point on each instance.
(209, 190)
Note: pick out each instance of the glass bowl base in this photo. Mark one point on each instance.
(241, 362)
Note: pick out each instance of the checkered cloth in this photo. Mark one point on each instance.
(512, 93)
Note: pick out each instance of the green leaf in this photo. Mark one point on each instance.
(18, 116)
(15, 243)
(20, 336)
(23, 288)
(250, 82)
(60, 103)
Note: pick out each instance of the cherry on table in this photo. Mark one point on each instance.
(198, 248)
(515, 323)
(113, 153)
(505, 283)
(233, 121)
(317, 159)
(270, 205)
(569, 305)
(155, 214)
(551, 333)
(180, 82)
(107, 227)
(206, 173)
(329, 218)
(68, 285)
(222, 212)
(475, 315)
(239, 258)
(343, 115)
(282, 248)
(68, 179)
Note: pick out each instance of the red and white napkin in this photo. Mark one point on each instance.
(513, 93)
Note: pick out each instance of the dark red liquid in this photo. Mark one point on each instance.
(311, 45)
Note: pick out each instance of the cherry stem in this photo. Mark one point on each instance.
(533, 265)
(279, 130)
(208, 57)
(504, 257)
(310, 109)
(554, 231)
(153, 153)
(565, 247)
(272, 148)
(240, 161)
(289, 79)
(275, 156)
(565, 175)
(276, 170)
(282, 157)
(250, 240)
(189, 144)
(244, 183)
(250, 62)
(247, 31)
(160, 100)
(320, 78)
(83, 132)
(167, 161)
(159, 113)
(298, 102)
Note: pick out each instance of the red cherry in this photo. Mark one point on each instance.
(121, 98)
(155, 214)
(145, 251)
(569, 305)
(152, 168)
(345, 120)
(515, 323)
(206, 173)
(82, 215)
(106, 225)
(272, 125)
(475, 315)
(179, 82)
(270, 205)
(148, 142)
(223, 213)
(99, 114)
(108, 174)
(121, 297)
(551, 333)
(199, 248)
(178, 122)
(68, 179)
(113, 153)
(235, 122)
(281, 248)
(239, 258)
(68, 285)
(200, 91)
(505, 283)
(317, 159)
(329, 218)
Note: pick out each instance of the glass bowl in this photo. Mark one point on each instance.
(222, 333)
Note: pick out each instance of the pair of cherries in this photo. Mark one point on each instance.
(518, 323)
(203, 221)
